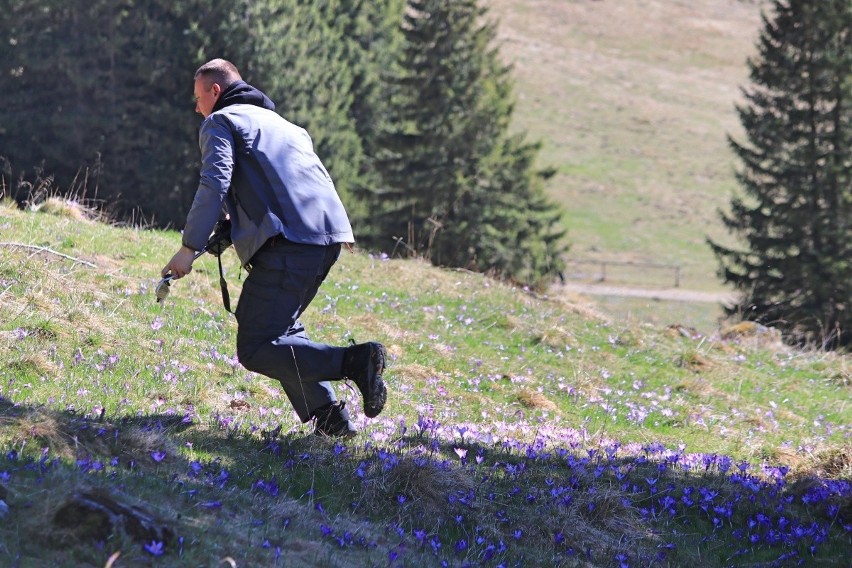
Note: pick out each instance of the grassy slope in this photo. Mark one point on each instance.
(633, 100)
(504, 407)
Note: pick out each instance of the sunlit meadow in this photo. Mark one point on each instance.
(520, 430)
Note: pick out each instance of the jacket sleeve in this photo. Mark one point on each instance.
(217, 166)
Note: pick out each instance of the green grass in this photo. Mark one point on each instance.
(520, 429)
(703, 317)
(633, 103)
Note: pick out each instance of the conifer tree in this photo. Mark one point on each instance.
(105, 86)
(91, 87)
(454, 186)
(371, 35)
(795, 219)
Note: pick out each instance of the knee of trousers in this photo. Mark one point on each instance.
(245, 353)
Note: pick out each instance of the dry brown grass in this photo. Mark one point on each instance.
(827, 463)
(70, 209)
(843, 378)
(598, 521)
(32, 363)
(64, 303)
(414, 373)
(752, 334)
(386, 331)
(579, 305)
(67, 435)
(426, 485)
(824, 463)
(535, 400)
(694, 361)
(555, 337)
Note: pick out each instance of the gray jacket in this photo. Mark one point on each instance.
(271, 181)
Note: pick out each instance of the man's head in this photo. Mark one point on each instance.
(210, 80)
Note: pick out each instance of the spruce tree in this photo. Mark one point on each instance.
(454, 186)
(369, 31)
(795, 219)
(92, 91)
(105, 87)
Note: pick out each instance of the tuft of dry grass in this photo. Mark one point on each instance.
(599, 521)
(555, 337)
(414, 373)
(694, 361)
(825, 463)
(33, 364)
(139, 441)
(843, 377)
(579, 306)
(679, 330)
(69, 209)
(829, 463)
(34, 423)
(753, 334)
(535, 400)
(67, 435)
(426, 485)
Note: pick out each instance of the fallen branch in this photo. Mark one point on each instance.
(97, 514)
(51, 251)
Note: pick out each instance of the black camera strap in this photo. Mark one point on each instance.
(226, 297)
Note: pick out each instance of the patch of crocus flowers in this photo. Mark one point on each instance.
(525, 480)
(751, 511)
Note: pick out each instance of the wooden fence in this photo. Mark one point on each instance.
(604, 268)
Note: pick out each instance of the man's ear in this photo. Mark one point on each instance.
(216, 90)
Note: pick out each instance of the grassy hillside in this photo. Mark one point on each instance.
(633, 100)
(520, 430)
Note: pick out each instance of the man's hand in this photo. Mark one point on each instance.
(181, 263)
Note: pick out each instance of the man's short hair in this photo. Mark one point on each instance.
(219, 71)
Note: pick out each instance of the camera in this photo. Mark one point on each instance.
(220, 239)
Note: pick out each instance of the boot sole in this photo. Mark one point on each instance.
(376, 395)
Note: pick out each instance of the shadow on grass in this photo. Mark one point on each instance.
(80, 489)
(418, 498)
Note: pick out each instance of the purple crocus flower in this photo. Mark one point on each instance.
(155, 548)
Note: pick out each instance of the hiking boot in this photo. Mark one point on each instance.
(364, 364)
(332, 420)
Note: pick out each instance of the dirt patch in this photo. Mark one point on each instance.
(667, 294)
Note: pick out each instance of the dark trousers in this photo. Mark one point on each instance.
(283, 281)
